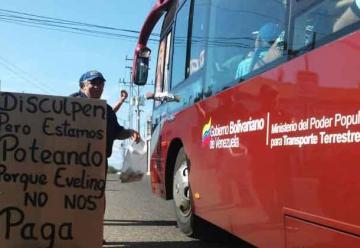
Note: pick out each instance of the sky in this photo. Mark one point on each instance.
(48, 61)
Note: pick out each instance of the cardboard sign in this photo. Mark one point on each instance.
(52, 171)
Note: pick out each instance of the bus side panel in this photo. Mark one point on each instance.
(300, 233)
(157, 175)
(245, 175)
(158, 153)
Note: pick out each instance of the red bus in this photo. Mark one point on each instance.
(256, 122)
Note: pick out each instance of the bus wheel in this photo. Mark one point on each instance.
(182, 194)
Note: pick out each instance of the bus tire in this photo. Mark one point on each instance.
(182, 194)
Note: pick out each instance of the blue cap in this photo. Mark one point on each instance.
(269, 32)
(91, 75)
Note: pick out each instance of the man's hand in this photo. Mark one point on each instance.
(135, 136)
(123, 95)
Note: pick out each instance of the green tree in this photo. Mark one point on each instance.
(112, 170)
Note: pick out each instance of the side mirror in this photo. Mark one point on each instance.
(141, 66)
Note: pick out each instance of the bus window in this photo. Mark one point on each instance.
(350, 16)
(189, 87)
(159, 80)
(234, 27)
(167, 63)
(178, 72)
(162, 68)
(198, 34)
(314, 25)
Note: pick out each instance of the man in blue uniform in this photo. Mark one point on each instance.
(265, 37)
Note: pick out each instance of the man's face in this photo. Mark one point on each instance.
(94, 88)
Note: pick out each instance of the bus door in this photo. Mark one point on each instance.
(188, 59)
(159, 115)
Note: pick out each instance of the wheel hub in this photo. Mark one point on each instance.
(181, 190)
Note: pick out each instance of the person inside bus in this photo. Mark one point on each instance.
(265, 37)
(350, 16)
(322, 20)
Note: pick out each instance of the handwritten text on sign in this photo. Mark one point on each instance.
(52, 170)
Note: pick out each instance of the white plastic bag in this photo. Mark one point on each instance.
(135, 162)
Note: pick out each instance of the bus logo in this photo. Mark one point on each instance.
(206, 134)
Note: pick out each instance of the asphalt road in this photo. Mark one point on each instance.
(138, 219)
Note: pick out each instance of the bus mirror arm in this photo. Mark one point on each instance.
(162, 97)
